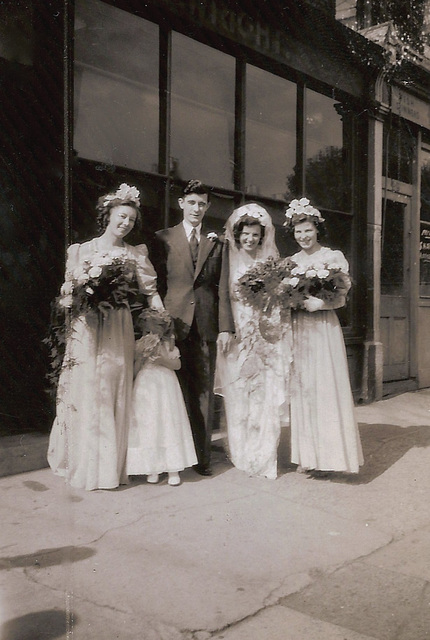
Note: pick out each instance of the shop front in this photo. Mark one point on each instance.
(261, 103)
(262, 107)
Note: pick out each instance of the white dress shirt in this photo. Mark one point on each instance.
(188, 229)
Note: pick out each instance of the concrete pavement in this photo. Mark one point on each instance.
(229, 557)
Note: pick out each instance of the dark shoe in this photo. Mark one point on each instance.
(203, 470)
(317, 473)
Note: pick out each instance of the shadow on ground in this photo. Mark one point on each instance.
(383, 445)
(41, 625)
(47, 558)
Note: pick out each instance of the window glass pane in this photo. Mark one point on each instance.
(392, 264)
(270, 133)
(399, 145)
(202, 126)
(326, 167)
(221, 208)
(116, 87)
(425, 225)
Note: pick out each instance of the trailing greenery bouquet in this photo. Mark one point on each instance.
(103, 283)
(265, 285)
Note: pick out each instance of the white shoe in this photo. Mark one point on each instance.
(174, 479)
(152, 478)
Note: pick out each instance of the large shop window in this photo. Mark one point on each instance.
(202, 108)
(326, 168)
(425, 225)
(116, 87)
(270, 148)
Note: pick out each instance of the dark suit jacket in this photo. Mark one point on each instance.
(200, 293)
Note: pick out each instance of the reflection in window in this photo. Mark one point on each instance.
(325, 169)
(116, 87)
(392, 263)
(270, 133)
(425, 225)
(202, 107)
(399, 145)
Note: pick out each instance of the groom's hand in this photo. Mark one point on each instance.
(224, 341)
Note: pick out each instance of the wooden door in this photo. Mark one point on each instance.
(395, 288)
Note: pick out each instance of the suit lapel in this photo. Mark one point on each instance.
(181, 245)
(205, 248)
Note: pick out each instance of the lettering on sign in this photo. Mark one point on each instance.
(410, 107)
(239, 26)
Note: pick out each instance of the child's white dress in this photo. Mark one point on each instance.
(160, 438)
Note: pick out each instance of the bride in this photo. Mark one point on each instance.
(253, 376)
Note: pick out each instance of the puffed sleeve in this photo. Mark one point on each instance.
(343, 281)
(71, 261)
(340, 259)
(145, 272)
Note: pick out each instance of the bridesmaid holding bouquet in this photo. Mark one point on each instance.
(88, 441)
(324, 430)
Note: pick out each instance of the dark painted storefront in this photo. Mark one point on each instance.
(262, 103)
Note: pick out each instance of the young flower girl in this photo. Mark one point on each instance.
(160, 438)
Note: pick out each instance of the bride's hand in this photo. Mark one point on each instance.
(224, 341)
(156, 303)
(313, 304)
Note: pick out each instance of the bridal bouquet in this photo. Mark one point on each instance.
(325, 281)
(265, 285)
(105, 282)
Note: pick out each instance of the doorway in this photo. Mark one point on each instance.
(395, 287)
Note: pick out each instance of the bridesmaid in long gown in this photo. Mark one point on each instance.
(88, 441)
(324, 432)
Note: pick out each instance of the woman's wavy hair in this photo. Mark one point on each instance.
(247, 221)
(302, 217)
(104, 208)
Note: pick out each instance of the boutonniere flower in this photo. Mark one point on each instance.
(212, 236)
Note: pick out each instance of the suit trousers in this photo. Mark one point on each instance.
(196, 377)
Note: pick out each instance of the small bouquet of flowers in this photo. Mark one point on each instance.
(263, 286)
(154, 327)
(325, 281)
(105, 282)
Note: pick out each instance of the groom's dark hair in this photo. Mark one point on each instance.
(196, 186)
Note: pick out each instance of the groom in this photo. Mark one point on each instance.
(193, 279)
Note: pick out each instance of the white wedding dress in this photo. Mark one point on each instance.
(253, 377)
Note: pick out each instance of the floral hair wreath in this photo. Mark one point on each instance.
(124, 193)
(251, 210)
(299, 209)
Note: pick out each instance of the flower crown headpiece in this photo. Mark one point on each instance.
(251, 210)
(299, 209)
(152, 321)
(124, 193)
